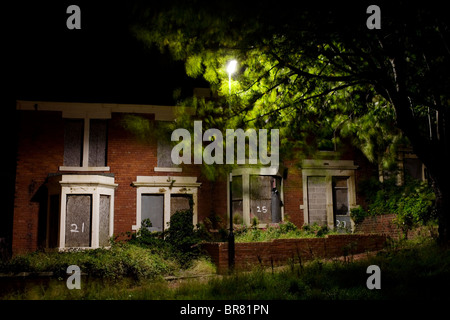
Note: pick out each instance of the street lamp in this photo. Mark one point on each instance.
(231, 234)
(231, 68)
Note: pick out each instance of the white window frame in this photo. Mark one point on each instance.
(328, 169)
(86, 116)
(93, 185)
(165, 185)
(246, 173)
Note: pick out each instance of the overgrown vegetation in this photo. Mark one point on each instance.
(180, 241)
(146, 255)
(412, 202)
(121, 260)
(410, 270)
(284, 230)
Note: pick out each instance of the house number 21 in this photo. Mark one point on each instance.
(74, 227)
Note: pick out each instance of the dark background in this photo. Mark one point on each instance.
(102, 62)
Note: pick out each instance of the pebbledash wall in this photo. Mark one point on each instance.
(132, 169)
(281, 251)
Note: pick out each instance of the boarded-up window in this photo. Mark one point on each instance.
(164, 151)
(317, 200)
(103, 235)
(97, 142)
(237, 199)
(261, 191)
(179, 202)
(152, 207)
(78, 220)
(340, 195)
(73, 142)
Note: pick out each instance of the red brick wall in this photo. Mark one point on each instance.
(40, 152)
(129, 157)
(280, 251)
(382, 224)
(293, 194)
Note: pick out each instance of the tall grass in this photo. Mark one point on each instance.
(409, 270)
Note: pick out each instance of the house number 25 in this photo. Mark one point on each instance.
(74, 227)
(262, 209)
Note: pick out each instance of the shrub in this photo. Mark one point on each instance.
(358, 214)
(183, 237)
(287, 227)
(121, 260)
(412, 202)
(147, 238)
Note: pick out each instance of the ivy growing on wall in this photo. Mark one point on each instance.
(413, 202)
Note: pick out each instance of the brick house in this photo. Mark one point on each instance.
(81, 178)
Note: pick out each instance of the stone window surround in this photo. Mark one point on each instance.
(84, 184)
(166, 185)
(245, 172)
(328, 169)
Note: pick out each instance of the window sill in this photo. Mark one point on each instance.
(64, 168)
(167, 169)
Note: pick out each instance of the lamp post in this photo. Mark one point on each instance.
(231, 68)
(231, 234)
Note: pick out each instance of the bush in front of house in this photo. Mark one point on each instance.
(180, 241)
(146, 254)
(121, 260)
(412, 202)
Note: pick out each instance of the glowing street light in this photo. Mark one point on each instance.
(231, 68)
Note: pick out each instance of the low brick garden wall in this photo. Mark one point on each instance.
(382, 224)
(281, 251)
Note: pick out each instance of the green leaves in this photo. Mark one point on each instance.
(316, 74)
(194, 66)
(413, 202)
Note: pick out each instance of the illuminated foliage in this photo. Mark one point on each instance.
(319, 74)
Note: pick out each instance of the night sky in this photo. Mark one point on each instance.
(102, 62)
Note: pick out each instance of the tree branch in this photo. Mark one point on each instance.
(311, 75)
(306, 99)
